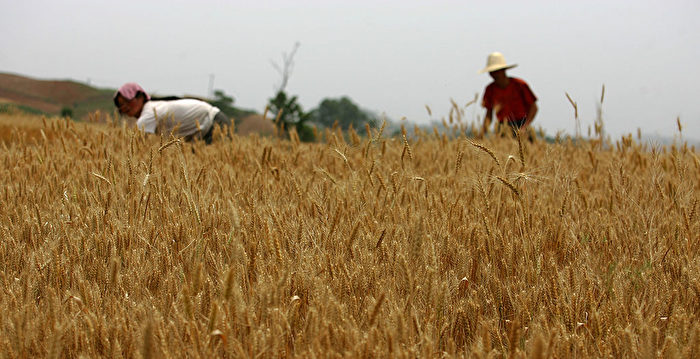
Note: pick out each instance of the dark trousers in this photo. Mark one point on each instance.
(513, 128)
(220, 119)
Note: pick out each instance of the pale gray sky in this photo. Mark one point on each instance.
(390, 57)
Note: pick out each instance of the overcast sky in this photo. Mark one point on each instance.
(391, 57)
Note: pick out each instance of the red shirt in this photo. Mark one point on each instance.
(511, 103)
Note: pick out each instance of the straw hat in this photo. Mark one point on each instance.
(496, 62)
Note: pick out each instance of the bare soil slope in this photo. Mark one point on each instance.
(50, 96)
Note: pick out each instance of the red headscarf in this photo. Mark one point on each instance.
(129, 90)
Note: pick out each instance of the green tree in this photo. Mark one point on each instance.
(67, 112)
(343, 111)
(220, 98)
(225, 104)
(291, 115)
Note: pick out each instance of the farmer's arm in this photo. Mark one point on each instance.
(531, 113)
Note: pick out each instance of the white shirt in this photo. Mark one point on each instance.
(183, 118)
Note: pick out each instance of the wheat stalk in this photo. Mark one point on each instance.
(168, 144)
(521, 153)
(510, 186)
(485, 149)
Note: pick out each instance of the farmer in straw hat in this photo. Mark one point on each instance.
(509, 97)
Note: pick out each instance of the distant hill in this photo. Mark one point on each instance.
(52, 96)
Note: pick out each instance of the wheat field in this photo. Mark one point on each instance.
(116, 244)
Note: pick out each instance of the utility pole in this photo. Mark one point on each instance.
(210, 94)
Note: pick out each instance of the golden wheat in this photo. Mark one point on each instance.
(119, 244)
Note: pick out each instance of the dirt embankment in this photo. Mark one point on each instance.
(50, 96)
(255, 124)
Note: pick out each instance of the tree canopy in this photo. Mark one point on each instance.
(289, 113)
(225, 104)
(343, 111)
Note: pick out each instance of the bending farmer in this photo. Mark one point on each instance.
(187, 118)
